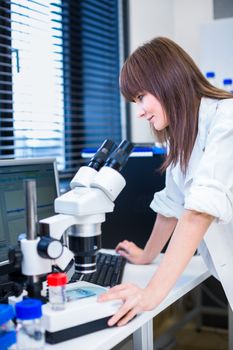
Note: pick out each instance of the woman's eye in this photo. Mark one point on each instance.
(140, 97)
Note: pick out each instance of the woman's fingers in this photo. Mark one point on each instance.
(129, 316)
(131, 297)
(125, 313)
(114, 319)
(130, 251)
(118, 292)
(134, 300)
(124, 253)
(127, 250)
(122, 245)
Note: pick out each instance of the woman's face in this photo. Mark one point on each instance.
(150, 109)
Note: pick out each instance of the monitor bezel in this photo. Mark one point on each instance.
(5, 266)
(31, 161)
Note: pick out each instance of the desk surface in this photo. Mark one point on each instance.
(195, 273)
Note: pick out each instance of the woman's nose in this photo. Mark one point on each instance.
(140, 112)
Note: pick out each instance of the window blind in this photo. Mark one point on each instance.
(91, 72)
(32, 113)
(59, 68)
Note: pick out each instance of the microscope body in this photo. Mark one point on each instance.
(82, 211)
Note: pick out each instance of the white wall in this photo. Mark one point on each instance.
(217, 49)
(147, 19)
(179, 20)
(189, 16)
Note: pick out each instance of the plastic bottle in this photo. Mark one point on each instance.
(227, 85)
(57, 284)
(30, 332)
(210, 76)
(7, 329)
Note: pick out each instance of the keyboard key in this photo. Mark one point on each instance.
(109, 272)
(108, 277)
(102, 275)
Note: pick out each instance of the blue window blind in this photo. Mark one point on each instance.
(91, 71)
(59, 69)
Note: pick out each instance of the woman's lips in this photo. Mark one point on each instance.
(151, 118)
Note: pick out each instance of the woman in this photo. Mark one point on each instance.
(195, 119)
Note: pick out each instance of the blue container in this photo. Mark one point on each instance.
(7, 331)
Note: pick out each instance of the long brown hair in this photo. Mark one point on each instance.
(164, 69)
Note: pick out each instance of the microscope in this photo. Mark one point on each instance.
(80, 213)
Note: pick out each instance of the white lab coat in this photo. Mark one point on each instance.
(207, 187)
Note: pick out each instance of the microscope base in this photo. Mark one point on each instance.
(80, 317)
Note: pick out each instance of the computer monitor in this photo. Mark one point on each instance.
(132, 218)
(13, 172)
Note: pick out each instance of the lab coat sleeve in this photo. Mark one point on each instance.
(212, 186)
(170, 201)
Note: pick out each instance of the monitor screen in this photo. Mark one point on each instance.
(12, 197)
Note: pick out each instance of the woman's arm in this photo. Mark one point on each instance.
(187, 236)
(162, 230)
(160, 235)
(188, 233)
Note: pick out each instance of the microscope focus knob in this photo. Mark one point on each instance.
(15, 257)
(49, 248)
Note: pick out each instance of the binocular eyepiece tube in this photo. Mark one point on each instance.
(110, 155)
(84, 240)
(101, 155)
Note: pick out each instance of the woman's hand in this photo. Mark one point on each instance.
(135, 300)
(131, 252)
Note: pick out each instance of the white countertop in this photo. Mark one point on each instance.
(195, 273)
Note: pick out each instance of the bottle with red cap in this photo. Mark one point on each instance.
(57, 284)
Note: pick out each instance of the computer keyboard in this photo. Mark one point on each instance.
(109, 272)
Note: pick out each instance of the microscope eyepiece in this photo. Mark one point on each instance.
(120, 155)
(100, 157)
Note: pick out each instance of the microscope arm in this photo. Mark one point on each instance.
(94, 201)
